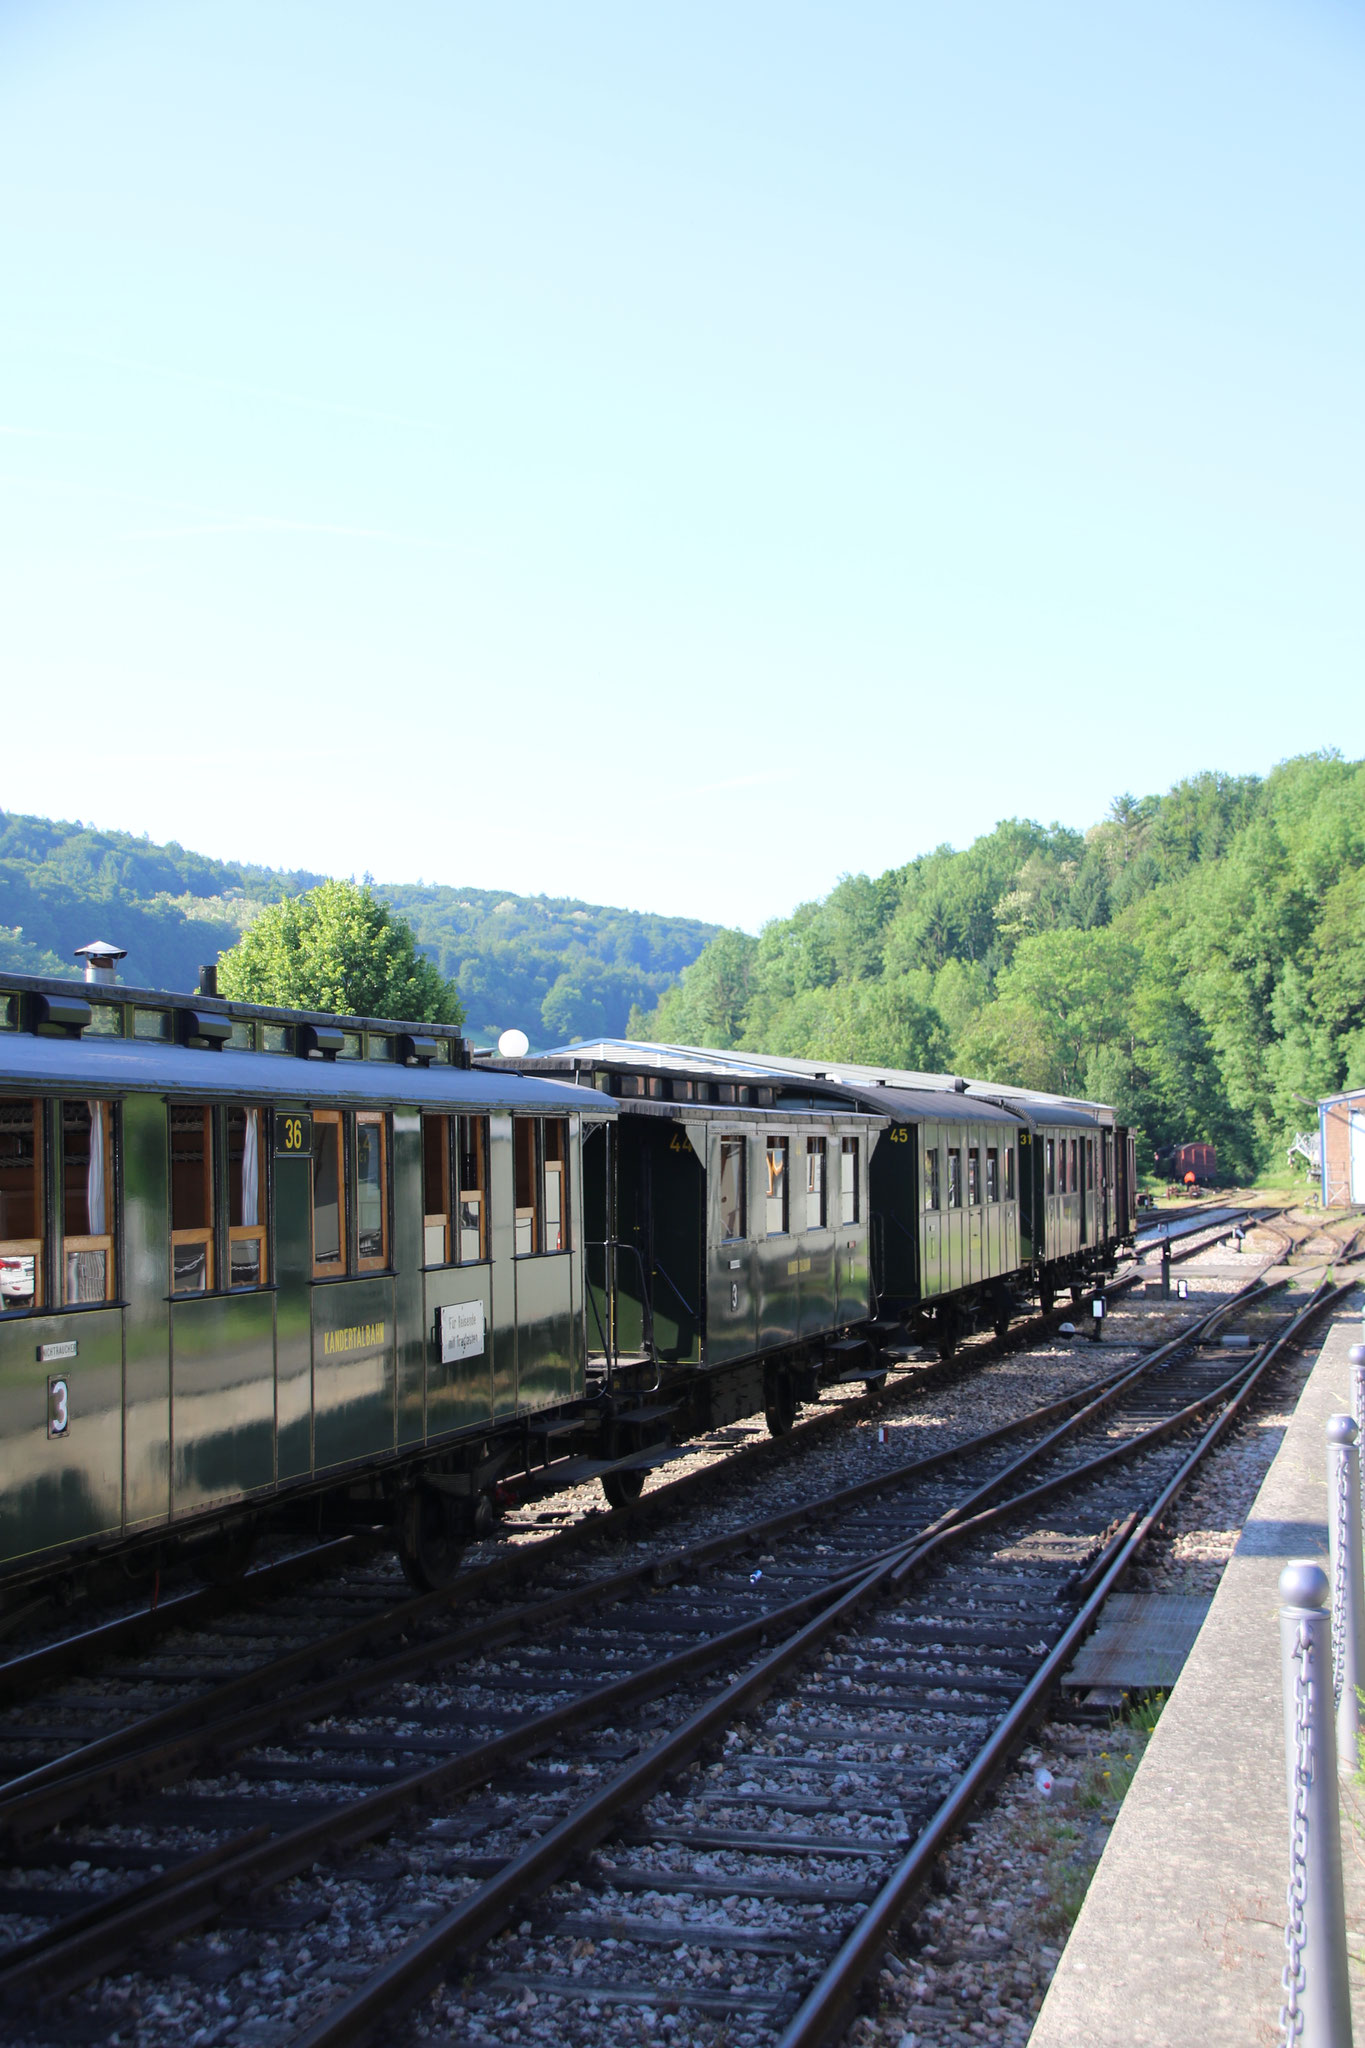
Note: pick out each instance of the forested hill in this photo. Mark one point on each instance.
(556, 967)
(1197, 959)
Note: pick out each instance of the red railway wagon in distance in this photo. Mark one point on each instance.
(1200, 1160)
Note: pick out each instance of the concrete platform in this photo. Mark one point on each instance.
(1181, 1937)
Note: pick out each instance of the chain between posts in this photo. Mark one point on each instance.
(1293, 1980)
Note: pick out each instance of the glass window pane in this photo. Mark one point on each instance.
(954, 1177)
(329, 1214)
(436, 1190)
(524, 1186)
(933, 1191)
(848, 1180)
(473, 1188)
(555, 1132)
(992, 1173)
(973, 1176)
(87, 1201)
(815, 1183)
(371, 1195)
(732, 1222)
(21, 1205)
(776, 1212)
(246, 1261)
(1009, 1173)
(191, 1168)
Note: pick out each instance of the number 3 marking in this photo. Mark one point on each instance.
(57, 1416)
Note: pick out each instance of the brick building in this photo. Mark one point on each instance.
(1341, 1121)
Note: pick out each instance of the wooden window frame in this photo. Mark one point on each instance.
(338, 1268)
(198, 1233)
(106, 1241)
(560, 1168)
(447, 1219)
(479, 1194)
(34, 1248)
(373, 1119)
(954, 1188)
(248, 1233)
(1009, 1173)
(973, 1176)
(521, 1214)
(933, 1180)
(992, 1173)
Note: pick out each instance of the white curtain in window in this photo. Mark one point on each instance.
(94, 1173)
(251, 1167)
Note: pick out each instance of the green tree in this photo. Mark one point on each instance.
(337, 949)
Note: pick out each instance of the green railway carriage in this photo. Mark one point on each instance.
(728, 1240)
(946, 1211)
(250, 1255)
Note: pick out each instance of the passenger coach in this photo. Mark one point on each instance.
(253, 1256)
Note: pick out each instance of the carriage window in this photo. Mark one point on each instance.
(1052, 1166)
(246, 1161)
(524, 1176)
(191, 1129)
(1009, 1173)
(472, 1190)
(732, 1222)
(933, 1190)
(992, 1174)
(436, 1184)
(21, 1205)
(973, 1176)
(776, 1215)
(1075, 1165)
(954, 1177)
(815, 1183)
(556, 1141)
(329, 1196)
(848, 1180)
(371, 1191)
(87, 1201)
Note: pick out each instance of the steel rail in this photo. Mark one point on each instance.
(68, 1954)
(828, 2003)
(415, 1968)
(248, 1709)
(24, 1673)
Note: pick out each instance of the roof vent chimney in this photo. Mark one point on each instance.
(100, 958)
(208, 979)
(959, 1086)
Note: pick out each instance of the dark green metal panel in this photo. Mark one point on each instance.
(293, 1318)
(502, 1239)
(353, 1365)
(146, 1321)
(408, 1254)
(223, 1398)
(459, 1394)
(58, 1490)
(894, 1183)
(598, 1167)
(545, 1334)
(731, 1295)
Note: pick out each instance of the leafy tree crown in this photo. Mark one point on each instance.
(337, 949)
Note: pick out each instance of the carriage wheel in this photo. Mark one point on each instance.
(430, 1539)
(622, 1489)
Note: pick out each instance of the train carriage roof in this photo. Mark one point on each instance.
(1029, 1105)
(130, 1066)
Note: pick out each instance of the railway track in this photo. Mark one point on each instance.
(563, 1718)
(357, 1571)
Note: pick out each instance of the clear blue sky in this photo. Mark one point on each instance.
(671, 455)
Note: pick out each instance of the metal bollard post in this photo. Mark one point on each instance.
(1317, 2007)
(1356, 1354)
(1166, 1268)
(1348, 1594)
(1097, 1309)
